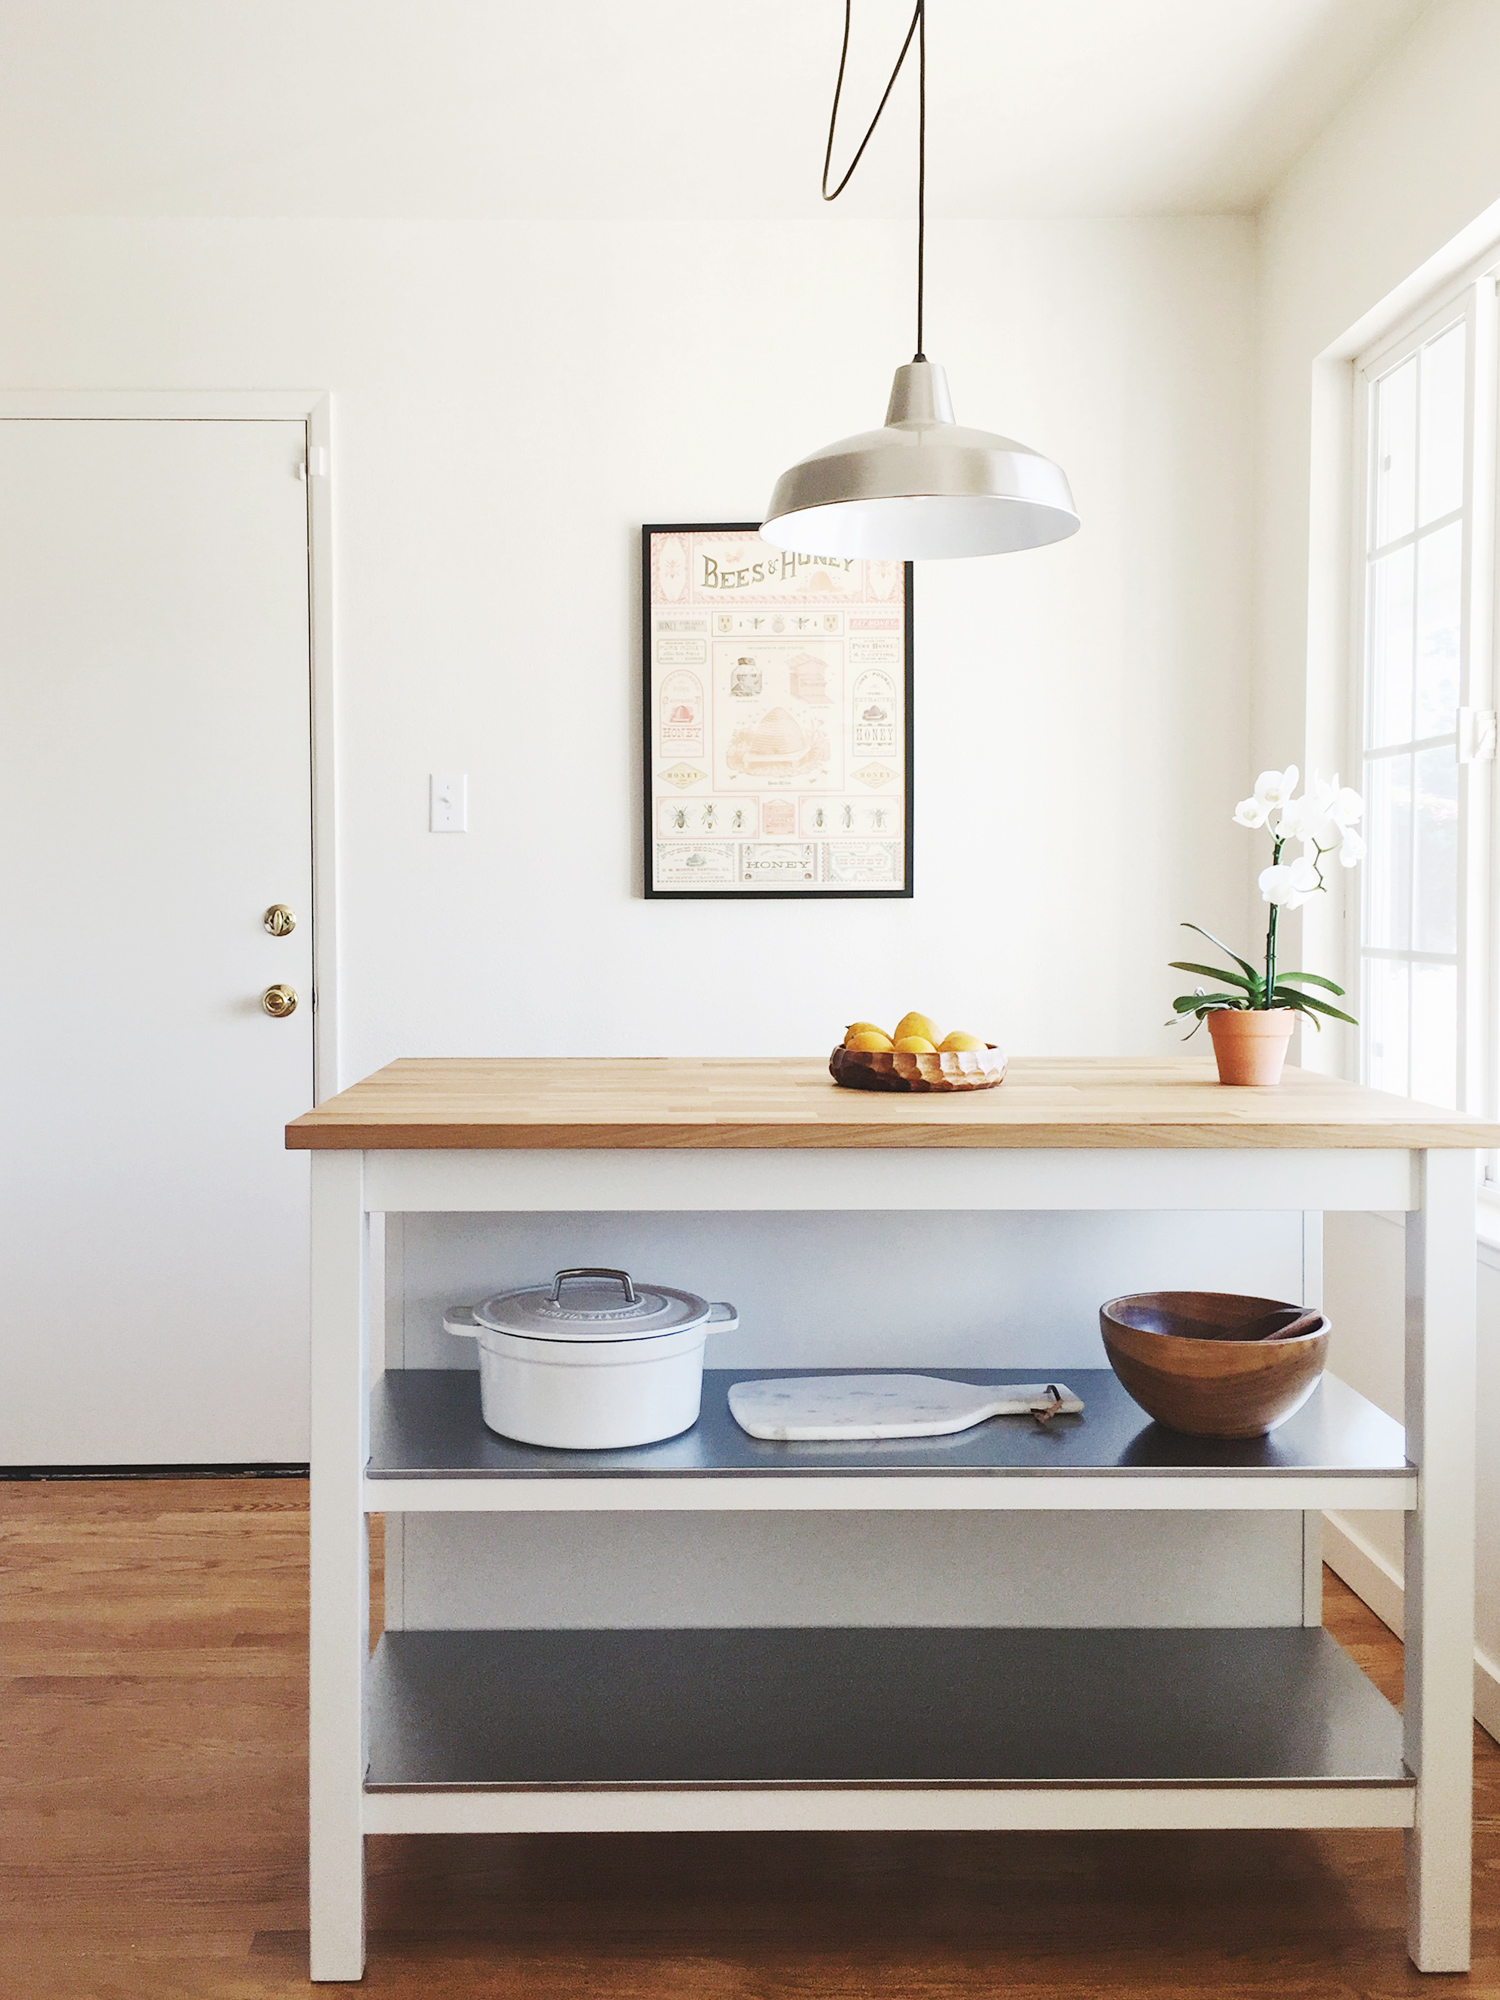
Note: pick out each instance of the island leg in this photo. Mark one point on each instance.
(339, 1631)
(1312, 1522)
(1439, 1607)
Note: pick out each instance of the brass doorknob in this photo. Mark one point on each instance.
(278, 920)
(279, 1001)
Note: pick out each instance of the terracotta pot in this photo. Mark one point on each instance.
(1250, 1042)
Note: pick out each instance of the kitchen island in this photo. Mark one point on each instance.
(452, 1731)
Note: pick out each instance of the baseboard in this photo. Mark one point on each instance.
(258, 1470)
(1487, 1693)
(1371, 1576)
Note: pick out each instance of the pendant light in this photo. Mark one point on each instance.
(923, 485)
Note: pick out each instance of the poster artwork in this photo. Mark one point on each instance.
(777, 718)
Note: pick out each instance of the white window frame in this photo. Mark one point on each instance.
(1473, 299)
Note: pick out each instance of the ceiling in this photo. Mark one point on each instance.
(661, 108)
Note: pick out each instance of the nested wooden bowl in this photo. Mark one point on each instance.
(1215, 1364)
(883, 1069)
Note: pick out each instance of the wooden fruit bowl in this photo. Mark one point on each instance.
(1215, 1364)
(883, 1069)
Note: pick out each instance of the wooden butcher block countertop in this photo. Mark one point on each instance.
(566, 1102)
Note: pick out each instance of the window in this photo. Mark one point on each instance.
(1424, 572)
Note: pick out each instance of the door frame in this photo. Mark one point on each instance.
(313, 409)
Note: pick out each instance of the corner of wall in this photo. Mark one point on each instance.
(1372, 1578)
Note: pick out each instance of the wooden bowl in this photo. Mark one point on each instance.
(883, 1069)
(1215, 1364)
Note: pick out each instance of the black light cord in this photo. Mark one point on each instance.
(921, 165)
(919, 29)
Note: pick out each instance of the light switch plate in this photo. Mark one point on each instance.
(449, 802)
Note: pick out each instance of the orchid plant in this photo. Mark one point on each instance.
(1323, 822)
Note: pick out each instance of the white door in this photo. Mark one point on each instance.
(155, 801)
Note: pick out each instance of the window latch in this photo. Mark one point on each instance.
(1476, 735)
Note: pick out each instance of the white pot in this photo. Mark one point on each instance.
(605, 1365)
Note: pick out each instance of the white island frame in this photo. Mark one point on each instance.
(896, 1154)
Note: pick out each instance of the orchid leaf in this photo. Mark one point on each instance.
(1304, 1003)
(1251, 985)
(1243, 963)
(1309, 979)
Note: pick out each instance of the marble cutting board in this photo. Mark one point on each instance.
(805, 1408)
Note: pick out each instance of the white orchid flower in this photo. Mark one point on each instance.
(1351, 848)
(1322, 818)
(1274, 788)
(1345, 807)
(1310, 819)
(1276, 886)
(1251, 812)
(1301, 819)
(1291, 884)
(1336, 808)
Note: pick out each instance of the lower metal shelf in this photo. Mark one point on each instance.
(859, 1707)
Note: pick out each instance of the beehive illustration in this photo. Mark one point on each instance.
(776, 746)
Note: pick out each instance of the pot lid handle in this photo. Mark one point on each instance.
(592, 1271)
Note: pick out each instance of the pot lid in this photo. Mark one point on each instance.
(591, 1303)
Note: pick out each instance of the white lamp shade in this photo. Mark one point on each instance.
(921, 487)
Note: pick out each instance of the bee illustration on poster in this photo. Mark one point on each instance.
(777, 718)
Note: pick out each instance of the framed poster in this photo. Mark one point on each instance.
(777, 726)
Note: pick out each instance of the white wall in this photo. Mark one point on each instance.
(512, 400)
(1395, 190)
(868, 1289)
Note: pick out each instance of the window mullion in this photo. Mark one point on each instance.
(1411, 762)
(1481, 988)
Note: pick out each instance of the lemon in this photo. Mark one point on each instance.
(957, 1042)
(872, 1038)
(916, 1024)
(915, 1045)
(862, 1028)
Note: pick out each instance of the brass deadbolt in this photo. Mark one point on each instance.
(278, 920)
(279, 1001)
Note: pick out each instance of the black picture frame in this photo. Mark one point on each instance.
(651, 888)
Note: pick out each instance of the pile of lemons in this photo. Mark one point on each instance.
(914, 1035)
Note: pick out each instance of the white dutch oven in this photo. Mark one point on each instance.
(603, 1364)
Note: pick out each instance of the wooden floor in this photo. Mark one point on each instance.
(152, 1805)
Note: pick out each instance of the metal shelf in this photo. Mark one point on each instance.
(803, 1710)
(430, 1451)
